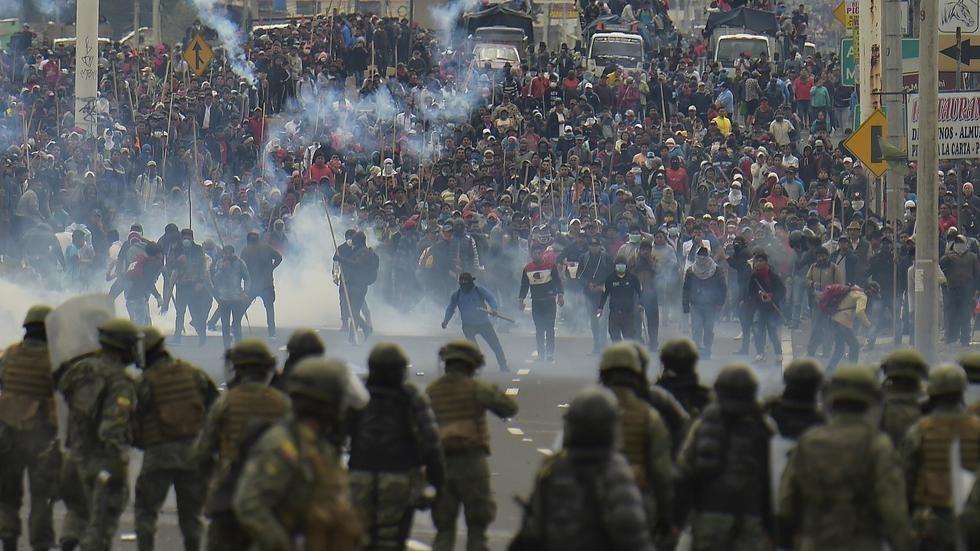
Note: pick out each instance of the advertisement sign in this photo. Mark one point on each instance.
(959, 125)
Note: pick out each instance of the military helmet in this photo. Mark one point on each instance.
(305, 342)
(643, 354)
(152, 337)
(679, 355)
(970, 362)
(461, 350)
(36, 314)
(387, 355)
(251, 353)
(119, 333)
(855, 383)
(592, 419)
(320, 379)
(905, 363)
(736, 383)
(946, 379)
(805, 372)
(620, 356)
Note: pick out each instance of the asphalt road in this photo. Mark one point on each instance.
(542, 390)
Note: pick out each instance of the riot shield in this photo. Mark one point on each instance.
(72, 327)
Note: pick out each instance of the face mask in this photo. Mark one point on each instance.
(466, 286)
(857, 205)
(959, 248)
(187, 243)
(620, 268)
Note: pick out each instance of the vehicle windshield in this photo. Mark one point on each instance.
(617, 49)
(499, 35)
(495, 52)
(729, 49)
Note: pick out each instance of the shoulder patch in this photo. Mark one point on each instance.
(287, 449)
(124, 402)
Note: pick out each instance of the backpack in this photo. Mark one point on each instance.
(224, 489)
(831, 297)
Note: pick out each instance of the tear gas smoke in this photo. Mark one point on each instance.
(229, 36)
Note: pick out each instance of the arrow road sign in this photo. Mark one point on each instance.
(966, 54)
(865, 143)
(198, 55)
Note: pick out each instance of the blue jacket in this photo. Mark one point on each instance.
(470, 304)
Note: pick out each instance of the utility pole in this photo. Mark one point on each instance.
(891, 99)
(136, 22)
(925, 281)
(157, 29)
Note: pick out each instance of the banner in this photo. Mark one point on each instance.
(959, 125)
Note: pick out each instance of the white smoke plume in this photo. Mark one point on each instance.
(229, 36)
(446, 18)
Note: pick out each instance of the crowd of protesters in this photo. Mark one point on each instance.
(726, 195)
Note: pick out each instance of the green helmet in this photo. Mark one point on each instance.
(855, 383)
(679, 355)
(119, 333)
(736, 383)
(804, 373)
(970, 362)
(152, 337)
(305, 342)
(905, 363)
(36, 314)
(620, 356)
(320, 379)
(461, 350)
(387, 356)
(251, 353)
(592, 420)
(947, 379)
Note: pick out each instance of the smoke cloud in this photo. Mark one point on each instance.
(229, 36)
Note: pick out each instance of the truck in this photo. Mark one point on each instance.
(615, 48)
(746, 30)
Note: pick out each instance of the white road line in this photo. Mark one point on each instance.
(545, 451)
(527, 440)
(515, 380)
(515, 431)
(512, 391)
(523, 372)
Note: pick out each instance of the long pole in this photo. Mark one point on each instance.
(343, 277)
(925, 284)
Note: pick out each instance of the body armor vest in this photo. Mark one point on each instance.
(933, 487)
(248, 402)
(28, 390)
(178, 406)
(636, 426)
(462, 420)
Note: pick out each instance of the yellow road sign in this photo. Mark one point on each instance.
(865, 143)
(847, 13)
(198, 54)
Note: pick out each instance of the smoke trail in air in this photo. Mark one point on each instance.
(229, 36)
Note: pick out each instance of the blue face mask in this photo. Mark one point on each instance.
(620, 268)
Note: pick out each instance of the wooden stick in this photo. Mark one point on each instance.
(343, 280)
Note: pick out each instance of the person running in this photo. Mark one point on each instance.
(540, 278)
(476, 304)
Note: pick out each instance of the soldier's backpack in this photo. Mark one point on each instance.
(224, 489)
(831, 297)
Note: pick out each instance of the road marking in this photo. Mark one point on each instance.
(523, 372)
(515, 431)
(515, 380)
(545, 451)
(527, 440)
(562, 406)
(417, 546)
(512, 391)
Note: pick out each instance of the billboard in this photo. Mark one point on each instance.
(959, 125)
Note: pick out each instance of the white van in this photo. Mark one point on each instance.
(623, 49)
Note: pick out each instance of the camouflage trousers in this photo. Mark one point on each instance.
(225, 533)
(37, 452)
(386, 503)
(714, 531)
(467, 483)
(152, 486)
(934, 530)
(94, 505)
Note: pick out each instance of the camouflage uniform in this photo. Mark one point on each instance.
(927, 458)
(796, 409)
(250, 401)
(173, 398)
(645, 438)
(28, 435)
(584, 497)
(294, 485)
(724, 468)
(460, 402)
(843, 486)
(101, 396)
(394, 449)
(903, 398)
